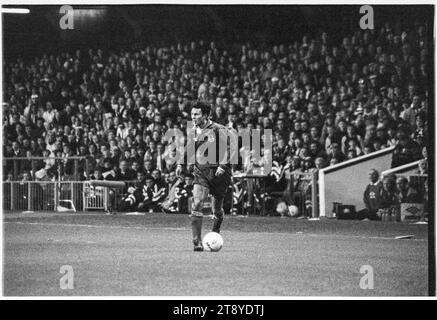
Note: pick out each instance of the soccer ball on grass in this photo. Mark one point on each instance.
(212, 241)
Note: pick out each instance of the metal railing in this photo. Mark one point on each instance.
(95, 198)
(43, 195)
(401, 169)
(60, 196)
(73, 196)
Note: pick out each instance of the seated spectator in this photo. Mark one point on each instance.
(389, 202)
(124, 173)
(406, 194)
(184, 192)
(170, 204)
(97, 175)
(132, 198)
(145, 202)
(159, 189)
(422, 168)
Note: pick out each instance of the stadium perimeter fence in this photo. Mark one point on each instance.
(44, 195)
(78, 196)
(57, 196)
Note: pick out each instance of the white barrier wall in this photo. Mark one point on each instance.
(345, 182)
(405, 170)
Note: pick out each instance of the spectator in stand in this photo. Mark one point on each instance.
(124, 173)
(159, 189)
(146, 204)
(183, 192)
(389, 202)
(423, 164)
(406, 194)
(133, 198)
(97, 175)
(407, 150)
(336, 100)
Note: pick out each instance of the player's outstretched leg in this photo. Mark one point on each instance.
(217, 210)
(199, 195)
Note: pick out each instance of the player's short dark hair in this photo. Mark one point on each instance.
(205, 107)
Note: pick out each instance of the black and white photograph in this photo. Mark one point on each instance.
(203, 150)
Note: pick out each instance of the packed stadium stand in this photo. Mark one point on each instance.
(327, 99)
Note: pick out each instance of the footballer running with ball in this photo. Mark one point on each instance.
(209, 178)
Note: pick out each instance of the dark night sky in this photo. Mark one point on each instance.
(39, 31)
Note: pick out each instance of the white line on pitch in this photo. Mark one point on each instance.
(96, 226)
(185, 229)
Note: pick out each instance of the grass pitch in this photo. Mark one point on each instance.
(152, 255)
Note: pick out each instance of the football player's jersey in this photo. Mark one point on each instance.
(372, 196)
(219, 136)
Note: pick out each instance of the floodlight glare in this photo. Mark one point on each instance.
(15, 10)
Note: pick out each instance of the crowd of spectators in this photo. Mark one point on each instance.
(383, 198)
(326, 102)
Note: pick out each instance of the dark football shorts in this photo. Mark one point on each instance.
(206, 177)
